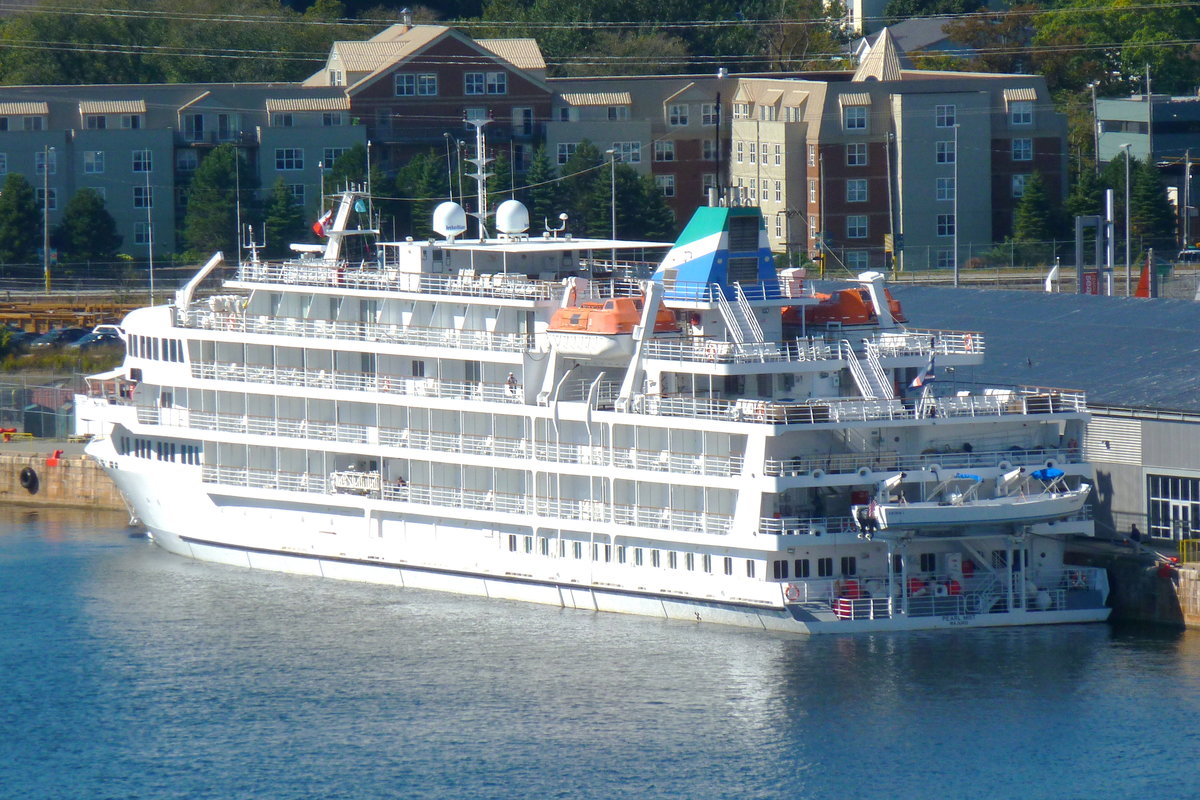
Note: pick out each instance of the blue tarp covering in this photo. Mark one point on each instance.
(966, 476)
(1047, 474)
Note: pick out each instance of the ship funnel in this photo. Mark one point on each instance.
(449, 220)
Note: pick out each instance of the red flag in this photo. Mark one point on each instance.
(319, 227)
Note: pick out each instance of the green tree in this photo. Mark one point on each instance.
(212, 208)
(499, 185)
(999, 41)
(581, 185)
(87, 231)
(1085, 198)
(789, 46)
(1150, 215)
(420, 186)
(1033, 219)
(540, 193)
(20, 221)
(898, 10)
(655, 220)
(284, 221)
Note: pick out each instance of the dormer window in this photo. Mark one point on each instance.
(96, 122)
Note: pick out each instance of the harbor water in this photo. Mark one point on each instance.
(131, 673)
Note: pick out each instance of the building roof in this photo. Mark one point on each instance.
(13, 109)
(916, 33)
(521, 53)
(112, 107)
(1121, 351)
(597, 98)
(883, 62)
(308, 104)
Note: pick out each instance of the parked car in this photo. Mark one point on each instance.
(18, 338)
(97, 338)
(58, 337)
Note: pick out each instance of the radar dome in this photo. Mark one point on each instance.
(449, 219)
(512, 217)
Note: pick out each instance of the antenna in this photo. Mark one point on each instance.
(480, 161)
(237, 197)
(248, 243)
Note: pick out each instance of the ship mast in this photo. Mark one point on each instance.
(480, 175)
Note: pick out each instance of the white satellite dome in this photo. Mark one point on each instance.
(512, 217)
(449, 219)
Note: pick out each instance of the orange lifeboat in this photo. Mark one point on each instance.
(602, 328)
(846, 307)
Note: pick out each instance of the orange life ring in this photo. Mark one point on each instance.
(969, 343)
(792, 593)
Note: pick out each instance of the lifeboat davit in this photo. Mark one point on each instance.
(603, 328)
(848, 307)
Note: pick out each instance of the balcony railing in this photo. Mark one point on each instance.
(318, 272)
(891, 461)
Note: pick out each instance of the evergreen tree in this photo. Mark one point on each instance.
(420, 185)
(1150, 216)
(580, 189)
(350, 170)
(87, 231)
(540, 194)
(657, 219)
(1033, 220)
(212, 207)
(20, 221)
(284, 220)
(1085, 198)
(499, 185)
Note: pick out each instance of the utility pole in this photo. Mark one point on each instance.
(47, 153)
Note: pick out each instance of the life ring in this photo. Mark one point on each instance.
(710, 351)
(29, 480)
(968, 343)
(818, 473)
(864, 472)
(792, 593)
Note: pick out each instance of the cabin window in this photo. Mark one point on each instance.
(849, 565)
(897, 563)
(418, 368)
(689, 561)
(928, 562)
(655, 558)
(802, 568)
(577, 549)
(672, 559)
(620, 554)
(512, 543)
(824, 567)
(607, 553)
(728, 565)
(528, 544)
(706, 563)
(749, 568)
(544, 545)
(637, 556)
(779, 570)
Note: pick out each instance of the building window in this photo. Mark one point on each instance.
(664, 151)
(856, 154)
(945, 116)
(187, 160)
(289, 158)
(522, 121)
(857, 260)
(332, 119)
(337, 77)
(497, 83)
(40, 199)
(565, 151)
(854, 118)
(945, 152)
(812, 191)
(141, 233)
(945, 258)
(741, 111)
(282, 120)
(330, 155)
(677, 115)
(708, 114)
(1173, 505)
(666, 183)
(3, 163)
(753, 153)
(143, 197)
(1018, 185)
(39, 162)
(856, 190)
(566, 114)
(764, 151)
(93, 162)
(193, 127)
(708, 150)
(778, 155)
(577, 549)
(928, 562)
(96, 122)
(427, 84)
(512, 543)
(856, 226)
(628, 152)
(408, 84)
(739, 151)
(618, 113)
(778, 191)
(753, 190)
(707, 181)
(474, 83)
(767, 113)
(945, 224)
(1020, 112)
(945, 189)
(131, 122)
(689, 561)
(143, 161)
(778, 227)
(812, 155)
(637, 556)
(297, 191)
(33, 123)
(1022, 149)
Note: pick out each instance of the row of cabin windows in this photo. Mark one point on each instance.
(156, 349)
(623, 554)
(158, 450)
(801, 568)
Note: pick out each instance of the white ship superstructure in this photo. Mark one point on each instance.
(527, 417)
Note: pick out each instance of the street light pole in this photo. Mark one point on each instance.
(47, 151)
(1095, 131)
(1128, 268)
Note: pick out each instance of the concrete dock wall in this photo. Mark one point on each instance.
(75, 481)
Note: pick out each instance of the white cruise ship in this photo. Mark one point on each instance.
(539, 417)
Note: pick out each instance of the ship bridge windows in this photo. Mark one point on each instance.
(824, 567)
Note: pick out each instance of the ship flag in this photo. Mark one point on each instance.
(924, 377)
(319, 227)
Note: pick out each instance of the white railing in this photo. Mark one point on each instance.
(513, 286)
(921, 342)
(371, 484)
(718, 352)
(802, 526)
(892, 461)
(358, 331)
